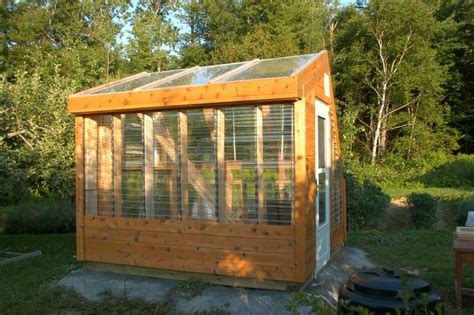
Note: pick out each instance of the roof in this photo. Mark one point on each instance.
(224, 83)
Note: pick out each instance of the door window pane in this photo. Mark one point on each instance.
(322, 198)
(321, 142)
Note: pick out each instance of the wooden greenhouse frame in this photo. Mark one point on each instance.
(209, 223)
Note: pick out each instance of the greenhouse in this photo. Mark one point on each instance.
(231, 172)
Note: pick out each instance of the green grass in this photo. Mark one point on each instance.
(429, 251)
(26, 280)
(446, 194)
(26, 285)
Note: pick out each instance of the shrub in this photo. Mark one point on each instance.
(457, 173)
(190, 287)
(366, 203)
(13, 180)
(463, 208)
(422, 207)
(41, 217)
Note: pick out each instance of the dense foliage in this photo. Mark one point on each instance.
(422, 207)
(457, 172)
(403, 78)
(366, 203)
(41, 217)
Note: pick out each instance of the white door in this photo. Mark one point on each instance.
(323, 251)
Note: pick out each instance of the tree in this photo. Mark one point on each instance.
(228, 31)
(389, 75)
(153, 36)
(78, 35)
(37, 129)
(454, 45)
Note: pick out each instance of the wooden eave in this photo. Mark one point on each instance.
(269, 90)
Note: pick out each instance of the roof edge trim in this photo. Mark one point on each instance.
(263, 90)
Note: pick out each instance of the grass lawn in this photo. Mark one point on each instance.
(429, 251)
(25, 286)
(445, 194)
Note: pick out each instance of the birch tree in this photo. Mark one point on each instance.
(388, 72)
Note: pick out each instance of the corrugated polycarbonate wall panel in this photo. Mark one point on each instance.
(232, 164)
(104, 165)
(241, 163)
(201, 164)
(278, 161)
(133, 196)
(166, 166)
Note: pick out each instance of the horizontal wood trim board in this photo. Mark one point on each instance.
(170, 253)
(279, 232)
(145, 256)
(182, 275)
(201, 241)
(268, 90)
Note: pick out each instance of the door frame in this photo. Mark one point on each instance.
(322, 110)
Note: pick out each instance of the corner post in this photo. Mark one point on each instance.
(300, 190)
(79, 157)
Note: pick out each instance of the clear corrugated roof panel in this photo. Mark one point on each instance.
(271, 68)
(199, 76)
(134, 83)
(268, 68)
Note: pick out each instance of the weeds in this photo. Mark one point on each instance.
(189, 288)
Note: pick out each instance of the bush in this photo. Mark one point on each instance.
(41, 217)
(457, 173)
(13, 180)
(422, 207)
(366, 203)
(463, 208)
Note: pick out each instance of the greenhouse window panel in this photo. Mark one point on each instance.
(272, 68)
(130, 85)
(200, 76)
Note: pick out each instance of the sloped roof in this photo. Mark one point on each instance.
(240, 71)
(268, 80)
